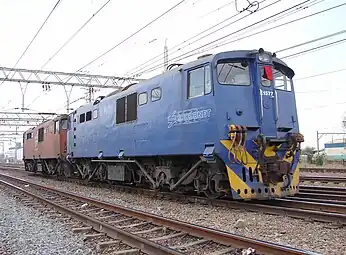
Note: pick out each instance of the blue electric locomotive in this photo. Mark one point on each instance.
(224, 124)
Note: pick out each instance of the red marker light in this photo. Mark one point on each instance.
(268, 73)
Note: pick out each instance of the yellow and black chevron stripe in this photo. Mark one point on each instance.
(248, 189)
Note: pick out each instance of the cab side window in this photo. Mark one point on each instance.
(199, 81)
(56, 127)
(281, 81)
(156, 94)
(142, 98)
(40, 135)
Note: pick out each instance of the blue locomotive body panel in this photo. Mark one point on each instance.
(190, 110)
(176, 124)
(168, 126)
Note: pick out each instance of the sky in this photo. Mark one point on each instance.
(320, 99)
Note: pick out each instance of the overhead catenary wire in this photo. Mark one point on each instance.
(118, 44)
(159, 56)
(133, 34)
(320, 74)
(322, 106)
(247, 8)
(316, 91)
(76, 33)
(275, 27)
(178, 58)
(36, 34)
(291, 12)
(218, 8)
(39, 30)
(320, 47)
(69, 40)
(298, 9)
(314, 48)
(192, 52)
(160, 15)
(312, 41)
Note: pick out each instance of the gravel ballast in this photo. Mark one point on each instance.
(23, 230)
(313, 236)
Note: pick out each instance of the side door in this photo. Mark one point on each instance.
(71, 128)
(198, 107)
(63, 136)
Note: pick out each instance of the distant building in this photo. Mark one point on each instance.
(335, 150)
(11, 156)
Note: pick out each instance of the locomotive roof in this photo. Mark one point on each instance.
(200, 60)
(225, 54)
(58, 117)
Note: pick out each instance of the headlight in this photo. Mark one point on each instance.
(264, 57)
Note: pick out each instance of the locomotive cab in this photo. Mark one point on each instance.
(258, 123)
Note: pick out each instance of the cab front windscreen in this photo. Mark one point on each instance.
(230, 72)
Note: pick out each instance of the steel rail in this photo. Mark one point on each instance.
(322, 178)
(322, 196)
(317, 210)
(133, 240)
(306, 203)
(323, 189)
(303, 212)
(335, 192)
(325, 201)
(309, 205)
(199, 231)
(321, 170)
(19, 166)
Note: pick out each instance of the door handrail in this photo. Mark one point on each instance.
(276, 106)
(261, 98)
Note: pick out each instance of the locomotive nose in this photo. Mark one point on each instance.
(261, 167)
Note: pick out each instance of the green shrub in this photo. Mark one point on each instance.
(320, 159)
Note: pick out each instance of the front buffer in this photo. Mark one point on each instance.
(261, 168)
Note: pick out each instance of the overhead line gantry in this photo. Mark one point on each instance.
(67, 80)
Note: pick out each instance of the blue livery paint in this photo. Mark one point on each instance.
(168, 122)
(178, 125)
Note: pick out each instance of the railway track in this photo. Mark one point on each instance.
(12, 166)
(335, 195)
(140, 231)
(326, 207)
(316, 178)
(319, 211)
(323, 189)
(322, 170)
